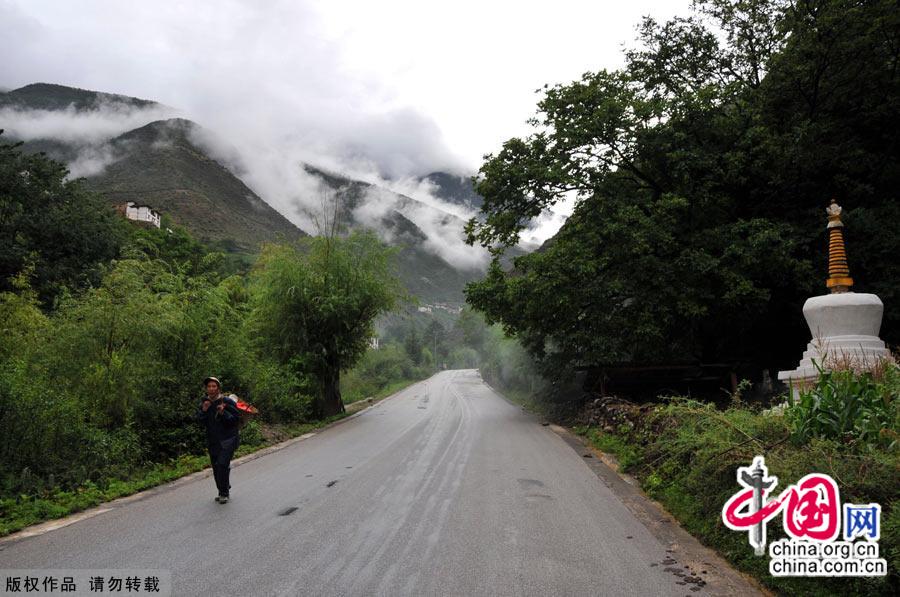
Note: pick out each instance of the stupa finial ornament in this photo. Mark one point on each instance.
(839, 279)
(843, 325)
(834, 214)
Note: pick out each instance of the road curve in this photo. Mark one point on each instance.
(444, 489)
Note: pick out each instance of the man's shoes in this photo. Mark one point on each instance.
(222, 499)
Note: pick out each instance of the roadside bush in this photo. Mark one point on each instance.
(46, 439)
(686, 454)
(278, 393)
(108, 382)
(379, 369)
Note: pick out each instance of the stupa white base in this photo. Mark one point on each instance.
(844, 329)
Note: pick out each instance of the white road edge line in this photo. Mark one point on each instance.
(46, 527)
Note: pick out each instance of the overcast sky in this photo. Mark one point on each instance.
(410, 85)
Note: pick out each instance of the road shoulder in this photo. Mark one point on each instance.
(691, 558)
(687, 557)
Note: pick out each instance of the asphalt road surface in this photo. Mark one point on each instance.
(444, 489)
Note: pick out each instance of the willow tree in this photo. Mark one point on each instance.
(315, 303)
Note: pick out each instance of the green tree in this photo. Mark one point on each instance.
(114, 370)
(22, 320)
(315, 304)
(700, 172)
(62, 233)
(174, 245)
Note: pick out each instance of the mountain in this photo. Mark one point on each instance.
(163, 164)
(455, 189)
(353, 194)
(160, 165)
(459, 190)
(61, 151)
(47, 96)
(425, 274)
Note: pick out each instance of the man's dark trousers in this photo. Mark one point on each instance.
(220, 454)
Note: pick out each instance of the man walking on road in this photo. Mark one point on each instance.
(219, 414)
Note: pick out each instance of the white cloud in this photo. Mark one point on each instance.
(91, 161)
(441, 220)
(101, 123)
(85, 130)
(443, 231)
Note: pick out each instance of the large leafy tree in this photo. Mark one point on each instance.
(699, 173)
(52, 227)
(315, 303)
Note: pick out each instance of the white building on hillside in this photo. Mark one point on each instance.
(139, 213)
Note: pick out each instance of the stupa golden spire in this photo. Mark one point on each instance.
(839, 279)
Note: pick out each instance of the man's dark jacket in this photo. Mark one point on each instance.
(219, 426)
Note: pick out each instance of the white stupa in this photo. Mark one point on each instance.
(844, 325)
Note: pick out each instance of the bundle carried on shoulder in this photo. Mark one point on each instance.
(245, 409)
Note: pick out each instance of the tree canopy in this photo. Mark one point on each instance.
(316, 301)
(51, 226)
(700, 172)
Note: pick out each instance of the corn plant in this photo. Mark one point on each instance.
(849, 405)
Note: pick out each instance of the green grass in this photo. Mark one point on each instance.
(618, 446)
(685, 455)
(383, 392)
(25, 510)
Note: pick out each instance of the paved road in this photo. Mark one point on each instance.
(444, 489)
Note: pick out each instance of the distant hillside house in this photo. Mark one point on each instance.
(139, 213)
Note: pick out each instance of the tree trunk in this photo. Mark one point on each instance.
(330, 402)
